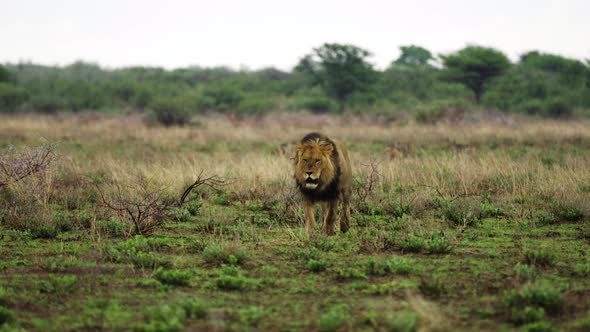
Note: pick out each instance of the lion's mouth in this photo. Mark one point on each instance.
(311, 183)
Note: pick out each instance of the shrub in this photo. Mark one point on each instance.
(173, 277)
(171, 111)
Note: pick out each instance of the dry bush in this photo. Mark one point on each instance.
(144, 203)
(25, 187)
(30, 165)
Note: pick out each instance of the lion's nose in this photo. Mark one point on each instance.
(309, 173)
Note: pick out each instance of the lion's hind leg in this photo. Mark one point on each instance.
(345, 220)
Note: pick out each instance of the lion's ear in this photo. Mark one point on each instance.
(327, 148)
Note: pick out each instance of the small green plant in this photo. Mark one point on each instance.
(438, 244)
(527, 315)
(432, 286)
(112, 227)
(251, 316)
(545, 218)
(393, 265)
(172, 317)
(540, 294)
(316, 265)
(221, 199)
(349, 273)
(390, 288)
(334, 318)
(180, 214)
(229, 282)
(540, 257)
(59, 263)
(173, 277)
(580, 270)
(460, 213)
(568, 212)
(405, 321)
(412, 243)
(59, 285)
(6, 315)
(194, 207)
(3, 295)
(218, 254)
(525, 272)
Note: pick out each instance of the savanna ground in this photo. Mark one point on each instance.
(472, 226)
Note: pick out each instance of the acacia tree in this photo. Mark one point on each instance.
(473, 66)
(414, 56)
(339, 69)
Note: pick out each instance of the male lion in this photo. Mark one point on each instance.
(323, 174)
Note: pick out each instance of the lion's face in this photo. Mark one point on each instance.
(314, 168)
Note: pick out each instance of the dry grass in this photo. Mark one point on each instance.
(243, 152)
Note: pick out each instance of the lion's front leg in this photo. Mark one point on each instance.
(309, 216)
(329, 209)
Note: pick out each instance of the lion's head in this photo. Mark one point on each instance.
(315, 168)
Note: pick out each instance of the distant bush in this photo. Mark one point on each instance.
(46, 104)
(256, 105)
(317, 104)
(559, 108)
(171, 111)
(221, 97)
(11, 97)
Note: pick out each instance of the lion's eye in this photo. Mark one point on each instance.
(304, 160)
(317, 161)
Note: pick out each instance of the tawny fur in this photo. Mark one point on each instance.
(323, 174)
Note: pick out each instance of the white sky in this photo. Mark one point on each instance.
(260, 33)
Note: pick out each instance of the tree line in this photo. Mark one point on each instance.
(331, 78)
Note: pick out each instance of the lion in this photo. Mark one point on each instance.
(323, 174)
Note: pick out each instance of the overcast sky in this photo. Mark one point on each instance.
(260, 33)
